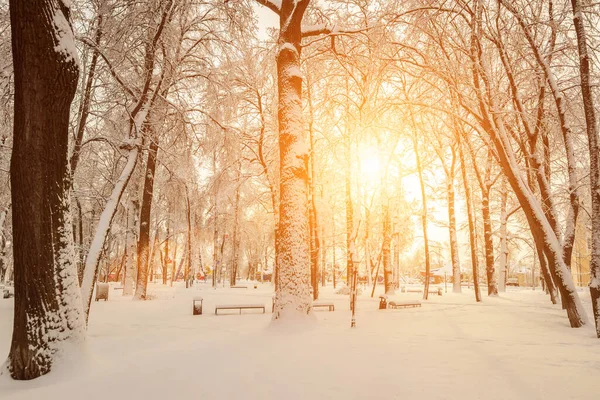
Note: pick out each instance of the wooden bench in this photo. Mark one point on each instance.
(329, 306)
(437, 290)
(404, 304)
(239, 287)
(239, 307)
(197, 308)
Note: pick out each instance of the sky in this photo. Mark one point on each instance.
(266, 19)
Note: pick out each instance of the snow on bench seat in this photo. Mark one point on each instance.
(415, 289)
(404, 303)
(239, 306)
(330, 306)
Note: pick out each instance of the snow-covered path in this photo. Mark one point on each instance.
(515, 347)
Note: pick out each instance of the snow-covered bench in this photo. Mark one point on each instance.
(404, 304)
(329, 306)
(239, 307)
(384, 303)
(239, 287)
(418, 289)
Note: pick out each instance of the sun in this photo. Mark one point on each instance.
(370, 164)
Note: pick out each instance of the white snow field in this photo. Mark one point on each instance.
(517, 346)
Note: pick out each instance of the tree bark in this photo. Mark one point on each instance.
(456, 288)
(312, 216)
(472, 228)
(47, 313)
(423, 217)
(386, 250)
(293, 291)
(503, 258)
(236, 234)
(143, 244)
(188, 267)
(592, 134)
(132, 229)
(487, 229)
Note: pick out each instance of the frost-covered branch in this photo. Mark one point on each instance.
(273, 5)
(316, 30)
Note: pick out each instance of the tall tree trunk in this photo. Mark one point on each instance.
(188, 266)
(143, 244)
(322, 270)
(236, 233)
(396, 261)
(166, 258)
(312, 209)
(456, 288)
(503, 258)
(423, 217)
(293, 291)
(174, 266)
(349, 215)
(386, 250)
(334, 265)
(47, 312)
(236, 230)
(489, 245)
(472, 228)
(592, 134)
(132, 229)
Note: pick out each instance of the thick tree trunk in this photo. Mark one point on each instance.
(293, 292)
(143, 244)
(48, 316)
(592, 134)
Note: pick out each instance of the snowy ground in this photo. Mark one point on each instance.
(517, 346)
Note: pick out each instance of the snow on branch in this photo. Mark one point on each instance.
(273, 5)
(323, 29)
